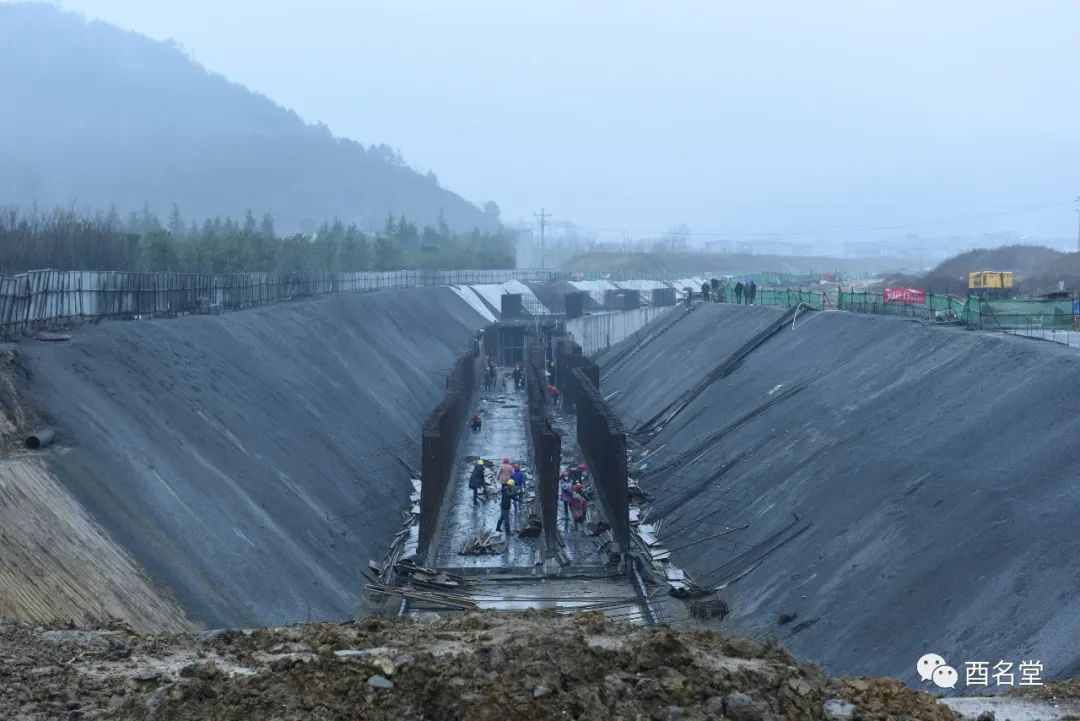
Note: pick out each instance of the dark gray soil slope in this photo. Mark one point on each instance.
(907, 488)
(248, 460)
(688, 346)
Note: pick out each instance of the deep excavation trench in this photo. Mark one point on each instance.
(843, 484)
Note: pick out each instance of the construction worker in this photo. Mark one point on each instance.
(505, 470)
(566, 493)
(715, 283)
(477, 480)
(517, 376)
(554, 393)
(738, 292)
(519, 480)
(506, 499)
(705, 291)
(476, 423)
(751, 292)
(578, 505)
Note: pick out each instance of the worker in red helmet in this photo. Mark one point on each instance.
(518, 477)
(505, 471)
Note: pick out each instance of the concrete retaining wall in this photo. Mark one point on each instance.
(546, 444)
(596, 332)
(440, 437)
(603, 443)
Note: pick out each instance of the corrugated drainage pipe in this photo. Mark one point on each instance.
(40, 438)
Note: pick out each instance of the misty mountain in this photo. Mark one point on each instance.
(95, 116)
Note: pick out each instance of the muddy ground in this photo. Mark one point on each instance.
(479, 666)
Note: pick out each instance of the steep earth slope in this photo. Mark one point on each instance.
(56, 563)
(250, 461)
(904, 488)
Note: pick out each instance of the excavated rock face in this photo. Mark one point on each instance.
(475, 667)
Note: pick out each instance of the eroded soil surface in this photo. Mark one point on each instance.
(478, 666)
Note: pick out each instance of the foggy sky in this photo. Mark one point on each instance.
(733, 117)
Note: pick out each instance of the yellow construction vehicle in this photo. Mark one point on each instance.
(990, 283)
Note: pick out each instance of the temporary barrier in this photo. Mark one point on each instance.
(603, 443)
(51, 297)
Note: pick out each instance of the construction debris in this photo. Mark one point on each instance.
(432, 599)
(531, 527)
(488, 542)
(708, 609)
(430, 577)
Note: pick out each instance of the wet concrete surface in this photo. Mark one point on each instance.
(504, 434)
(582, 548)
(612, 596)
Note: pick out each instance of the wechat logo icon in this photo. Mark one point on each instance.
(932, 667)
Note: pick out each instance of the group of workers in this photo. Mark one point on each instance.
(513, 484)
(715, 291)
(573, 495)
(493, 379)
(511, 480)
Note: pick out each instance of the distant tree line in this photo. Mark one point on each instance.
(67, 239)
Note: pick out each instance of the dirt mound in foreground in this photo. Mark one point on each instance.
(479, 666)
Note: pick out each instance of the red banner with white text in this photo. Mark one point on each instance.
(909, 296)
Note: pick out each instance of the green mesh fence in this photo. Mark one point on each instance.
(1025, 314)
(789, 297)
(1029, 314)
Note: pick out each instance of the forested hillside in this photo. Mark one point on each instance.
(93, 116)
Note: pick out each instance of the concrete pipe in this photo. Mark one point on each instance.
(40, 438)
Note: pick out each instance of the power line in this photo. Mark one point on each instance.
(1078, 224)
(774, 234)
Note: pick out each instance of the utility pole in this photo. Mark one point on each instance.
(543, 216)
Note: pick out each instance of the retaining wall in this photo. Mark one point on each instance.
(596, 332)
(603, 443)
(440, 437)
(546, 444)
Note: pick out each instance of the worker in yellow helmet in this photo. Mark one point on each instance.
(476, 481)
